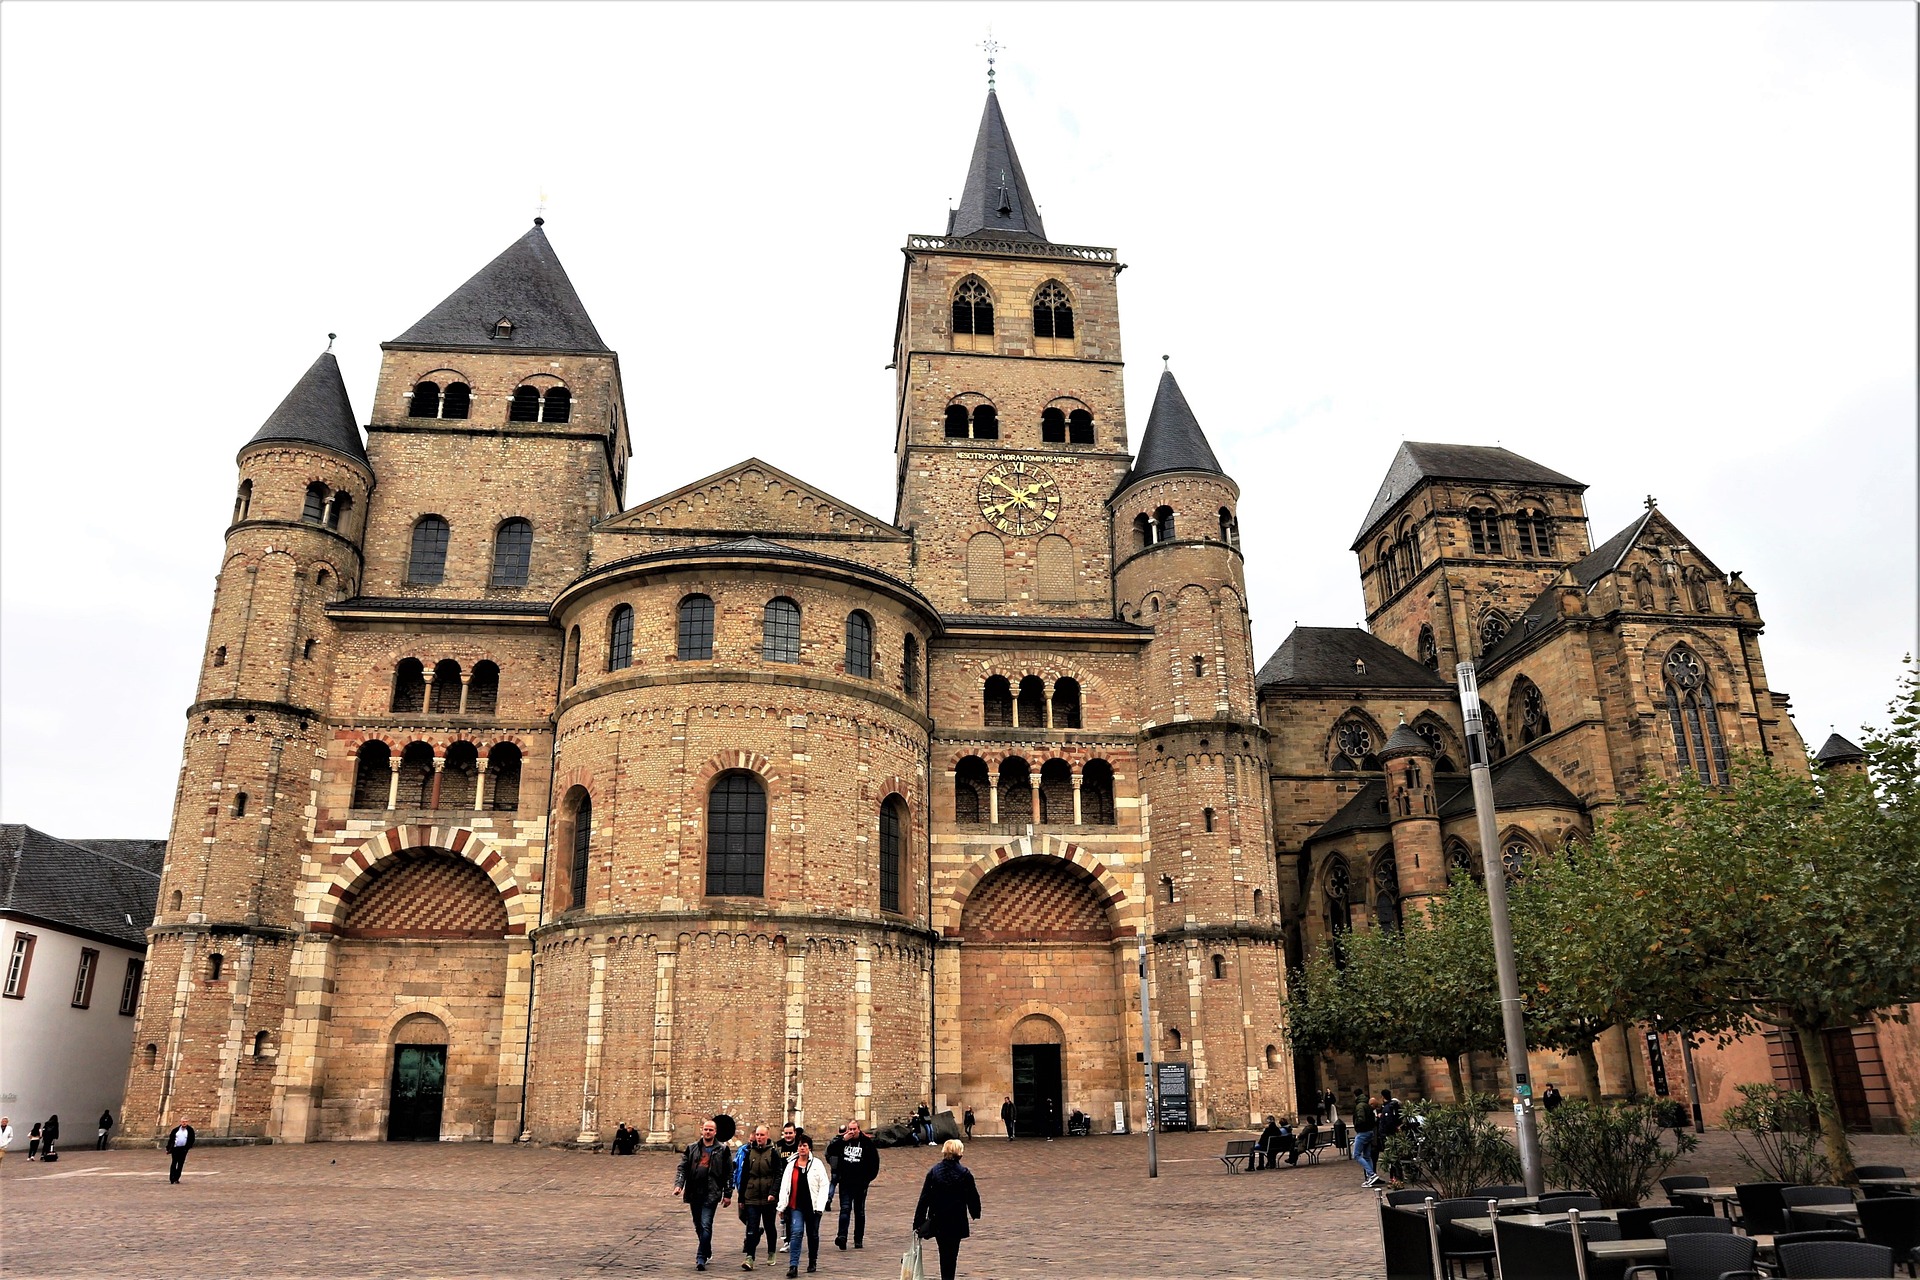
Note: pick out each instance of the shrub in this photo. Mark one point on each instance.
(1614, 1150)
(1452, 1147)
(1673, 1115)
(1778, 1133)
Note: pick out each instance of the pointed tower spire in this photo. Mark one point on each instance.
(316, 411)
(1173, 440)
(995, 200)
(522, 298)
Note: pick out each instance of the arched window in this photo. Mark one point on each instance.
(220, 656)
(1353, 741)
(1080, 427)
(1483, 526)
(512, 553)
(997, 702)
(153, 1056)
(306, 649)
(1163, 524)
(891, 828)
(1142, 532)
(1529, 709)
(409, 686)
(1259, 904)
(1066, 703)
(243, 501)
(695, 638)
(956, 422)
(1229, 528)
(459, 776)
(558, 406)
(372, 775)
(1030, 709)
(1533, 532)
(1410, 547)
(1515, 858)
(972, 307)
(986, 568)
(174, 902)
(1096, 794)
(860, 645)
(1016, 790)
(425, 402)
(1429, 733)
(215, 964)
(1428, 649)
(1053, 569)
(314, 509)
(780, 631)
(1383, 566)
(483, 689)
(1219, 966)
(582, 851)
(910, 666)
(1386, 891)
(1273, 1057)
(620, 638)
(1496, 741)
(503, 778)
(1339, 897)
(337, 513)
(458, 402)
(737, 836)
(416, 776)
(1493, 629)
(1199, 666)
(260, 1044)
(970, 784)
(1461, 860)
(986, 422)
(1694, 720)
(1168, 893)
(572, 672)
(1206, 817)
(446, 687)
(1052, 312)
(1056, 792)
(1053, 426)
(526, 405)
(427, 560)
(1173, 1039)
(240, 804)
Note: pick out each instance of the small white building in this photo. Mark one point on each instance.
(73, 921)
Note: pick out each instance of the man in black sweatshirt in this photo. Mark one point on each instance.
(859, 1164)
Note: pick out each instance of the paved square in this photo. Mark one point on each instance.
(1071, 1208)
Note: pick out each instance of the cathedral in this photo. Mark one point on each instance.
(508, 810)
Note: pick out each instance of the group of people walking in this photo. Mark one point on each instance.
(785, 1186)
(43, 1138)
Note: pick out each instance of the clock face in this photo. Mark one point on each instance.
(1019, 497)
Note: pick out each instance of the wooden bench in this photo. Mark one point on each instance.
(1239, 1154)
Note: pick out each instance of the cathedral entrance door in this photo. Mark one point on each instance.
(419, 1087)
(1036, 1088)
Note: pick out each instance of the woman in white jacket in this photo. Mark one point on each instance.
(803, 1193)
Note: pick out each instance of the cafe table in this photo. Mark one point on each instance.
(1637, 1250)
(1484, 1226)
(1909, 1183)
(1845, 1212)
(1716, 1196)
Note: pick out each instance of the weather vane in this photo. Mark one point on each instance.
(541, 212)
(330, 338)
(992, 47)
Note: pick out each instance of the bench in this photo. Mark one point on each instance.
(1239, 1154)
(1322, 1141)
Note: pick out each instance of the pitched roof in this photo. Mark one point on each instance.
(1416, 462)
(525, 284)
(83, 888)
(1173, 440)
(1313, 656)
(1606, 557)
(1519, 782)
(316, 411)
(1403, 741)
(1367, 811)
(995, 200)
(1837, 748)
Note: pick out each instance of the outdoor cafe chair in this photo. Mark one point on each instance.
(1497, 1192)
(1637, 1224)
(1835, 1260)
(1410, 1195)
(1561, 1201)
(1893, 1221)
(1673, 1182)
(1702, 1255)
(1825, 1233)
(1457, 1244)
(1880, 1171)
(1690, 1224)
(1792, 1198)
(1761, 1210)
(1592, 1229)
(1536, 1253)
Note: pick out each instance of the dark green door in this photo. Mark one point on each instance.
(1036, 1090)
(419, 1085)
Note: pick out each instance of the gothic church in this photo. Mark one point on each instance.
(508, 810)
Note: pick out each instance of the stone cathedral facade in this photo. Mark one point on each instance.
(509, 809)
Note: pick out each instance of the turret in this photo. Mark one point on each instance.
(1407, 759)
(218, 961)
(1839, 756)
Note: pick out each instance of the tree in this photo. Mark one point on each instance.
(1781, 900)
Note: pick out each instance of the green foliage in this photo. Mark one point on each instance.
(1672, 1114)
(1615, 1150)
(1453, 1147)
(1778, 1133)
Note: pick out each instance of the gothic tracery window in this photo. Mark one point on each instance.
(1534, 722)
(972, 307)
(1493, 629)
(1428, 649)
(1694, 721)
(1533, 532)
(1483, 527)
(1514, 858)
(1052, 312)
(1386, 891)
(1496, 741)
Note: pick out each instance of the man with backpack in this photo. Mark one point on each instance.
(1366, 1122)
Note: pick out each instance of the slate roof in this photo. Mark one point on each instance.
(1366, 811)
(1416, 462)
(316, 411)
(1403, 741)
(1519, 782)
(1173, 440)
(995, 181)
(78, 886)
(1325, 655)
(1606, 557)
(1837, 748)
(525, 284)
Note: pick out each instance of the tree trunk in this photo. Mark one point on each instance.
(1456, 1079)
(1813, 1051)
(1590, 1070)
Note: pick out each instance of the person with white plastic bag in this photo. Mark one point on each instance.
(948, 1198)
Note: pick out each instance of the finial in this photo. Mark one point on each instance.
(1166, 364)
(1651, 502)
(330, 338)
(992, 47)
(539, 220)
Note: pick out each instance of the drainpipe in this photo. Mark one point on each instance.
(546, 863)
(933, 938)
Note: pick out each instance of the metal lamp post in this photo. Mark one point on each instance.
(1511, 1021)
(1146, 1065)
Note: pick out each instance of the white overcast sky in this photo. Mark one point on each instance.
(1663, 248)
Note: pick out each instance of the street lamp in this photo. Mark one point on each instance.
(1146, 1063)
(1511, 1020)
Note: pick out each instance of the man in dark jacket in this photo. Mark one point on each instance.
(106, 1127)
(179, 1142)
(947, 1199)
(704, 1180)
(756, 1172)
(1006, 1116)
(1268, 1150)
(859, 1164)
(1366, 1122)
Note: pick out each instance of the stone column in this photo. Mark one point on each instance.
(439, 767)
(393, 784)
(1076, 799)
(479, 784)
(466, 682)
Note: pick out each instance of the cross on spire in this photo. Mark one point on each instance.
(1652, 502)
(992, 47)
